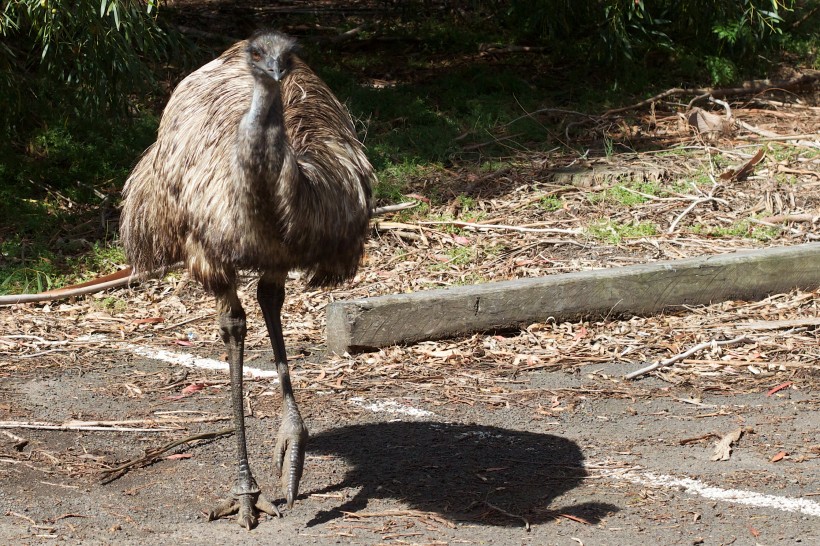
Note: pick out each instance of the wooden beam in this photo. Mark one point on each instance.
(634, 290)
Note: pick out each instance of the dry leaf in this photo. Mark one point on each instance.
(723, 449)
(779, 388)
(149, 320)
(194, 387)
(707, 123)
(177, 456)
(743, 172)
(778, 457)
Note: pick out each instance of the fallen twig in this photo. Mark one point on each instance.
(758, 130)
(686, 354)
(114, 280)
(152, 454)
(779, 324)
(114, 426)
(393, 208)
(508, 514)
(748, 88)
(697, 201)
(706, 436)
(19, 443)
(126, 276)
(783, 218)
(488, 227)
(401, 513)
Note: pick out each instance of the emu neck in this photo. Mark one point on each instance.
(261, 144)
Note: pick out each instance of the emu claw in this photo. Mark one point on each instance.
(247, 506)
(289, 454)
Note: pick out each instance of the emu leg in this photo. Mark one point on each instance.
(290, 442)
(246, 498)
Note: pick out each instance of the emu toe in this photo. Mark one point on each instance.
(247, 508)
(289, 454)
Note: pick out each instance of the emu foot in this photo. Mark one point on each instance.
(247, 506)
(289, 453)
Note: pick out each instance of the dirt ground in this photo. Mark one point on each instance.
(449, 474)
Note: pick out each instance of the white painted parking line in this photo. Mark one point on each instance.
(700, 489)
(191, 361)
(390, 406)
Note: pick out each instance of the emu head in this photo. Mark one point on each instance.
(270, 55)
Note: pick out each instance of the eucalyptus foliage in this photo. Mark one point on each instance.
(618, 33)
(77, 57)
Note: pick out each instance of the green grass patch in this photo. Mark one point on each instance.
(614, 232)
(551, 203)
(111, 304)
(621, 194)
(461, 255)
(744, 229)
(58, 196)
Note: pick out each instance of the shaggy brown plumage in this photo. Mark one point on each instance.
(256, 166)
(188, 199)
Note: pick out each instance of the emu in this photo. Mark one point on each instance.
(256, 167)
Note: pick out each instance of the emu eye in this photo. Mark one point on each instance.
(256, 56)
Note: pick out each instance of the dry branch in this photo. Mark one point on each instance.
(748, 88)
(686, 354)
(125, 276)
(509, 514)
(111, 426)
(154, 453)
(697, 201)
(783, 218)
(487, 227)
(401, 513)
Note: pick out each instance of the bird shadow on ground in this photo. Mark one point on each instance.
(475, 473)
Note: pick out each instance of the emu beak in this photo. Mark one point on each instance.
(275, 69)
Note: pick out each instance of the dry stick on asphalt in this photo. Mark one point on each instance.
(508, 514)
(113, 426)
(19, 443)
(686, 354)
(113, 473)
(401, 513)
(89, 428)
